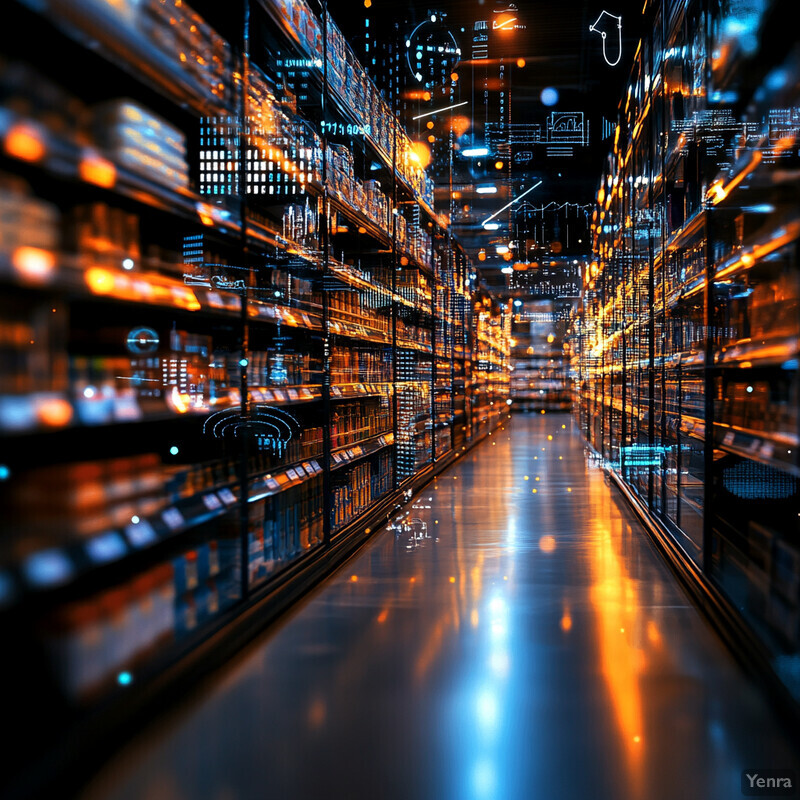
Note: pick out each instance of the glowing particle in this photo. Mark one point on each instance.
(173, 451)
(124, 678)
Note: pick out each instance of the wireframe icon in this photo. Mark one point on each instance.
(270, 428)
(598, 27)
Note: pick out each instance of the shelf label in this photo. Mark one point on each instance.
(292, 474)
(211, 502)
(106, 547)
(140, 534)
(173, 518)
(227, 496)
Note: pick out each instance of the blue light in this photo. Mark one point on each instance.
(549, 96)
(5, 472)
(242, 362)
(475, 152)
(124, 678)
(173, 451)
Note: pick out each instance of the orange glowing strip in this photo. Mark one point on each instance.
(97, 170)
(721, 192)
(791, 232)
(26, 142)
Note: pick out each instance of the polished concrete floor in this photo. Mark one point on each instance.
(534, 646)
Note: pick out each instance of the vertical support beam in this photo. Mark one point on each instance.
(326, 345)
(244, 452)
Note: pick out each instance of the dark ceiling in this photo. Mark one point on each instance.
(532, 86)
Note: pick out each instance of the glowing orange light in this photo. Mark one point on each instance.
(481, 255)
(421, 154)
(412, 580)
(97, 170)
(25, 142)
(430, 124)
(566, 623)
(404, 261)
(547, 544)
(33, 264)
(99, 280)
(431, 138)
(507, 256)
(55, 412)
(426, 96)
(453, 76)
(367, 3)
(498, 165)
(452, 579)
(362, 229)
(354, 578)
(460, 125)
(456, 195)
(520, 62)
(382, 616)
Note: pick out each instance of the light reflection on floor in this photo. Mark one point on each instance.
(533, 645)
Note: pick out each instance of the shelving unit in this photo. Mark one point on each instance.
(686, 351)
(235, 337)
(539, 377)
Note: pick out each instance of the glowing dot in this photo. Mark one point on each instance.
(520, 62)
(549, 96)
(561, 458)
(505, 577)
(89, 391)
(550, 437)
(534, 491)
(430, 124)
(542, 411)
(436, 522)
(173, 451)
(135, 519)
(569, 488)
(452, 579)
(127, 263)
(426, 96)
(431, 138)
(527, 478)
(637, 739)
(453, 76)
(536, 458)
(622, 630)
(547, 544)
(25, 142)
(749, 389)
(498, 165)
(124, 678)
(5, 472)
(367, 3)
(563, 427)
(412, 580)
(354, 579)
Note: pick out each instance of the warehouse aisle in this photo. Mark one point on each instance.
(535, 645)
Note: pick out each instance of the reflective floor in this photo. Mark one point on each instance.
(534, 645)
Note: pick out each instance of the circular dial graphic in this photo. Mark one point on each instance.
(142, 340)
(432, 52)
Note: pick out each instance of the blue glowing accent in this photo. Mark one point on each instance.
(777, 79)
(107, 547)
(173, 451)
(243, 362)
(124, 678)
(549, 96)
(5, 472)
(47, 568)
(792, 363)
